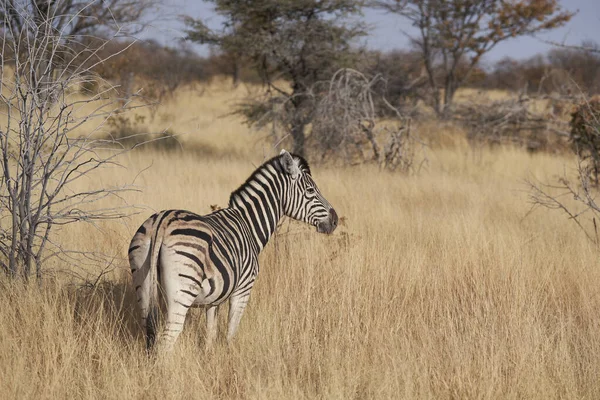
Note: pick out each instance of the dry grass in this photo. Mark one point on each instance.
(473, 94)
(198, 116)
(536, 104)
(435, 287)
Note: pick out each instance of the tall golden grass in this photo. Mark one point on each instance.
(435, 286)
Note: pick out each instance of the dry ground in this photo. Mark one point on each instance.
(436, 286)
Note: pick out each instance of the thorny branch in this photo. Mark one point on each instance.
(555, 197)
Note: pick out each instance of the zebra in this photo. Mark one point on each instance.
(203, 260)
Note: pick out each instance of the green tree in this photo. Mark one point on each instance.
(301, 42)
(453, 35)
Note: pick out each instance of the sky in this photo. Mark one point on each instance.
(386, 29)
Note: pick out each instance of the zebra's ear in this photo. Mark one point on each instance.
(288, 164)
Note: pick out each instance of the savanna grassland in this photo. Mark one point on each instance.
(437, 285)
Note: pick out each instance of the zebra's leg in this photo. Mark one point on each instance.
(149, 315)
(211, 325)
(142, 292)
(237, 304)
(179, 297)
(175, 318)
(139, 261)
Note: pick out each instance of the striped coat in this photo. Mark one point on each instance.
(196, 260)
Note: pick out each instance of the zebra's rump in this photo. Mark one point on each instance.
(195, 257)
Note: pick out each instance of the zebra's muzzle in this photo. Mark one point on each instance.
(328, 225)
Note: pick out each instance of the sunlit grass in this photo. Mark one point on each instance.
(439, 285)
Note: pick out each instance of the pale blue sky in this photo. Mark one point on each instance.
(386, 29)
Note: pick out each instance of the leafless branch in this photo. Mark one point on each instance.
(570, 46)
(43, 158)
(558, 196)
(515, 121)
(346, 124)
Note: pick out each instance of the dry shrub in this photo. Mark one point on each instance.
(585, 136)
(576, 200)
(345, 118)
(347, 126)
(512, 121)
(132, 132)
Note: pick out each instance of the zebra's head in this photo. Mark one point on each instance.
(303, 200)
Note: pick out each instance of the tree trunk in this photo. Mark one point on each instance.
(298, 137)
(235, 72)
(435, 91)
(12, 258)
(299, 120)
(449, 92)
(437, 101)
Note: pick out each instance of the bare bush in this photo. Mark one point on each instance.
(50, 141)
(577, 200)
(401, 149)
(347, 124)
(513, 121)
(583, 210)
(346, 117)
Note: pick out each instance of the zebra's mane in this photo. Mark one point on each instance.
(274, 162)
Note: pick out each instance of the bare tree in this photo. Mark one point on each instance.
(50, 141)
(453, 35)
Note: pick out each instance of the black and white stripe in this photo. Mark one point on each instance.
(205, 260)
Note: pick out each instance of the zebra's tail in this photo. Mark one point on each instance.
(153, 276)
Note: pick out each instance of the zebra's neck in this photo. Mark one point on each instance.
(259, 202)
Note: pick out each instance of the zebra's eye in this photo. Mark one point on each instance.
(310, 190)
